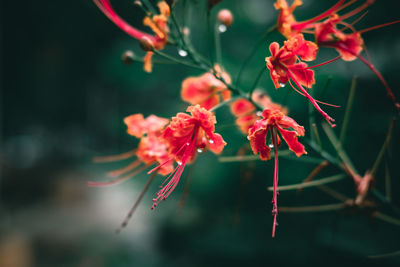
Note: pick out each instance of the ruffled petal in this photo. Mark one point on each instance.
(303, 75)
(306, 50)
(216, 143)
(257, 137)
(135, 125)
(290, 138)
(241, 107)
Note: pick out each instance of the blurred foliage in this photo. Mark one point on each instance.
(65, 92)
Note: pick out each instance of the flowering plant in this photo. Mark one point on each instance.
(167, 146)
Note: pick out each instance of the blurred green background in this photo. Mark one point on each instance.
(65, 91)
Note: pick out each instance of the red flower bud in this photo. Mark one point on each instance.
(225, 17)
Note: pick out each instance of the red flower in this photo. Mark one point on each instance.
(245, 111)
(158, 23)
(152, 149)
(206, 90)
(284, 65)
(327, 33)
(277, 124)
(275, 120)
(186, 135)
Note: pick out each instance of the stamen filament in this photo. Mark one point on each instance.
(119, 180)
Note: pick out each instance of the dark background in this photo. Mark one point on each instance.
(64, 93)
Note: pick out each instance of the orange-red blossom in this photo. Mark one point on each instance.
(285, 64)
(277, 124)
(187, 135)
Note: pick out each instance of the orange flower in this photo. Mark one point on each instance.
(152, 149)
(187, 135)
(287, 24)
(158, 23)
(206, 90)
(285, 17)
(139, 126)
(277, 124)
(284, 65)
(245, 111)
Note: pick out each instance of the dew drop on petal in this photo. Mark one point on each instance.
(271, 145)
(182, 53)
(179, 162)
(259, 113)
(200, 150)
(282, 84)
(188, 144)
(211, 141)
(222, 28)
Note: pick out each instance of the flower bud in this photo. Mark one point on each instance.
(138, 3)
(225, 17)
(128, 57)
(146, 44)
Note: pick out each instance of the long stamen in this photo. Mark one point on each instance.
(276, 170)
(167, 161)
(329, 119)
(177, 173)
(377, 73)
(320, 102)
(324, 63)
(357, 10)
(119, 180)
(112, 158)
(131, 166)
(304, 24)
(378, 26)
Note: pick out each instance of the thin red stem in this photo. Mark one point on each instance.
(377, 73)
(276, 176)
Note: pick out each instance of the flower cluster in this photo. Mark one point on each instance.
(170, 145)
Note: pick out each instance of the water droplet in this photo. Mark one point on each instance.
(182, 53)
(259, 113)
(222, 28)
(211, 141)
(179, 162)
(188, 144)
(271, 145)
(200, 150)
(282, 84)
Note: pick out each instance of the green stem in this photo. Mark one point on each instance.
(224, 103)
(350, 101)
(319, 208)
(178, 61)
(256, 81)
(383, 149)
(321, 181)
(217, 41)
(253, 51)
